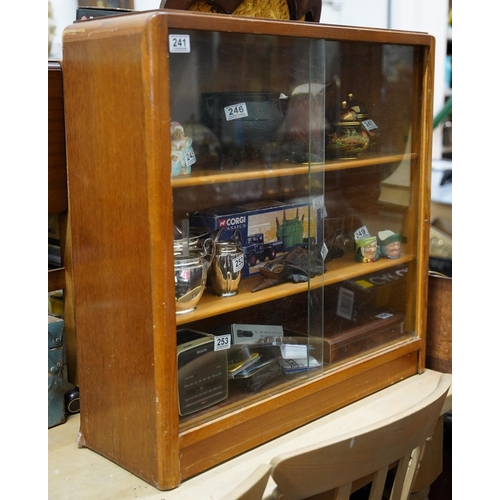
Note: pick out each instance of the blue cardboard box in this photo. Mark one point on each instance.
(268, 228)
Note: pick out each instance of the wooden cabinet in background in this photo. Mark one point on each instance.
(126, 79)
(59, 278)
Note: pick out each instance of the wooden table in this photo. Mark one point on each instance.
(79, 473)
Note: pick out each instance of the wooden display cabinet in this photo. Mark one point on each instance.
(59, 278)
(124, 85)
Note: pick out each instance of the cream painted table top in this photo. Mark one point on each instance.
(78, 473)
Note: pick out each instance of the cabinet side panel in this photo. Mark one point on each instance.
(425, 191)
(117, 181)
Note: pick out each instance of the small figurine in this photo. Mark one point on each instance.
(182, 153)
(390, 244)
(367, 249)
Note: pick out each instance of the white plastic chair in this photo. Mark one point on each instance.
(337, 464)
(253, 487)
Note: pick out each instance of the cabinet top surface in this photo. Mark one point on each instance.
(217, 22)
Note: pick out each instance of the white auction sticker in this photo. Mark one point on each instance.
(318, 202)
(222, 342)
(236, 111)
(179, 43)
(362, 232)
(369, 125)
(383, 315)
(189, 156)
(238, 263)
(324, 251)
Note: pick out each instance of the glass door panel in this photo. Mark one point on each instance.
(247, 134)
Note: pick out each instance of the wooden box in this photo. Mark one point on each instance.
(439, 324)
(370, 334)
(344, 339)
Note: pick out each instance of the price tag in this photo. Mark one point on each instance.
(345, 303)
(324, 251)
(318, 202)
(362, 232)
(189, 156)
(222, 342)
(238, 263)
(383, 315)
(179, 43)
(236, 111)
(369, 125)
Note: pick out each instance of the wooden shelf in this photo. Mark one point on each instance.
(337, 271)
(245, 172)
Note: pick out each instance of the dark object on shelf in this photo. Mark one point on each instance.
(243, 120)
(296, 266)
(72, 401)
(239, 358)
(257, 375)
(244, 333)
(85, 13)
(54, 261)
(202, 371)
(308, 10)
(57, 414)
(335, 251)
(442, 266)
(300, 136)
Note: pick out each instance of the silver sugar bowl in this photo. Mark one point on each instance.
(190, 274)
